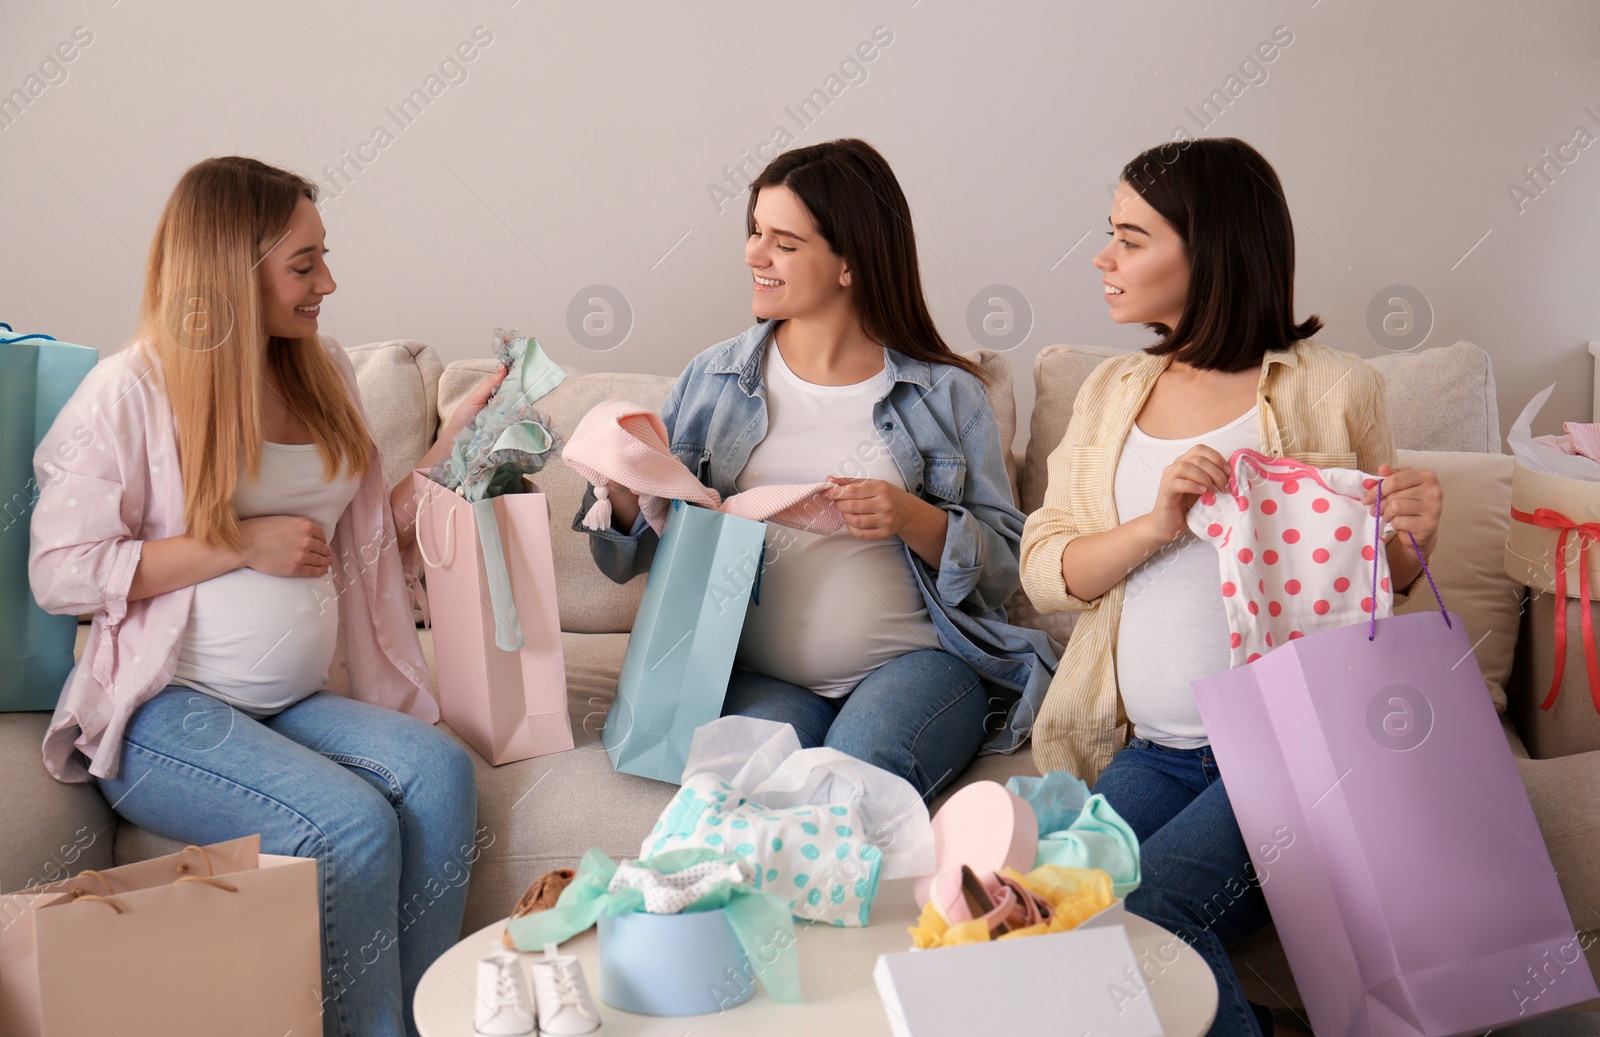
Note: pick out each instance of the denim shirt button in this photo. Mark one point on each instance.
(888, 425)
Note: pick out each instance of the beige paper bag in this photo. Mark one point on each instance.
(219, 939)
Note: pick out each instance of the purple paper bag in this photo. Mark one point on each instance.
(1416, 896)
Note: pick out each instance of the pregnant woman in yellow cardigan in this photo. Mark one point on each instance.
(1202, 252)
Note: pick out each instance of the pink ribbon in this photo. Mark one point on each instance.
(1588, 532)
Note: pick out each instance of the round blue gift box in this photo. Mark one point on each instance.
(683, 964)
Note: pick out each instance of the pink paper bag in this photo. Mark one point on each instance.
(1417, 896)
(508, 705)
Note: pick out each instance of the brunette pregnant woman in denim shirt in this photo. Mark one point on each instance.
(888, 639)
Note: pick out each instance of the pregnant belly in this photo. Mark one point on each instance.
(833, 609)
(259, 639)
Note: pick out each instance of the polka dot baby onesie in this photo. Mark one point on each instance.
(1295, 547)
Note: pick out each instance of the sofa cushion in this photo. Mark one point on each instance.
(1003, 401)
(1058, 373)
(590, 603)
(1468, 561)
(399, 383)
(1442, 399)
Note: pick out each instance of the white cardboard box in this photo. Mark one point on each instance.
(1085, 981)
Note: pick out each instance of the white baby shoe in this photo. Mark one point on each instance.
(504, 1008)
(565, 1009)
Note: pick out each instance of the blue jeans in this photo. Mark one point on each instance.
(920, 715)
(1198, 879)
(385, 803)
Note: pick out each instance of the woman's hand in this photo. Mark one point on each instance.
(877, 510)
(285, 545)
(402, 502)
(872, 508)
(1199, 470)
(1413, 502)
(468, 408)
(624, 507)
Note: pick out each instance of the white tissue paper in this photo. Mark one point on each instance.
(1542, 457)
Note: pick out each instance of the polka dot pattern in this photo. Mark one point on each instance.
(1316, 576)
(816, 857)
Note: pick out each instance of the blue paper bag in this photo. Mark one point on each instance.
(680, 655)
(37, 377)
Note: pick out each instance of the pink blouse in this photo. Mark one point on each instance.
(109, 480)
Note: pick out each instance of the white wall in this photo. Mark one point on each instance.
(581, 146)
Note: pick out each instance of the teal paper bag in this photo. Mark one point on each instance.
(37, 377)
(684, 638)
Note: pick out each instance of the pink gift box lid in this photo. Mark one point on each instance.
(985, 827)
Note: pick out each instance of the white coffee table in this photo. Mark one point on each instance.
(835, 977)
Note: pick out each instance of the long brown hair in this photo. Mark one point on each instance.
(857, 203)
(202, 318)
(1226, 203)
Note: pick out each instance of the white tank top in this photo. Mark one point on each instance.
(260, 642)
(1173, 629)
(833, 608)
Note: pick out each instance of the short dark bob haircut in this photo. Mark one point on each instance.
(1226, 203)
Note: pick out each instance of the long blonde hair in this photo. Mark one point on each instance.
(202, 317)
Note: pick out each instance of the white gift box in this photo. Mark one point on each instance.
(1085, 980)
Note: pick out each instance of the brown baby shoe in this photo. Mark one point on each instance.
(541, 896)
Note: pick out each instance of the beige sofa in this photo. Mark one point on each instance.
(544, 813)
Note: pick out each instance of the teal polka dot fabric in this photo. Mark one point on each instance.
(814, 856)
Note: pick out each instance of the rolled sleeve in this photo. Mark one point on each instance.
(82, 554)
(620, 556)
(1048, 532)
(1044, 541)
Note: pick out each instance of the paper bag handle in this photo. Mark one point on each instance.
(449, 534)
(209, 879)
(79, 894)
(24, 338)
(1377, 539)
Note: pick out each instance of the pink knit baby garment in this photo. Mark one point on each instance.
(624, 443)
(1296, 549)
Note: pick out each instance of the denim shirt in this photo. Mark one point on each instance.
(937, 424)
